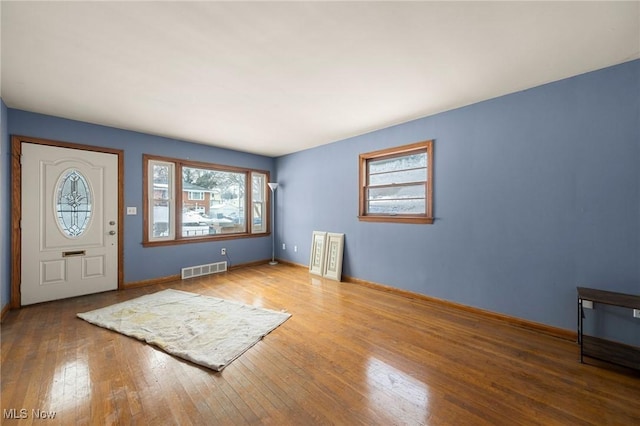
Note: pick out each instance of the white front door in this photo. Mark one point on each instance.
(69, 222)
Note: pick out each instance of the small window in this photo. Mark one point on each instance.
(196, 195)
(396, 184)
(73, 203)
(161, 201)
(258, 201)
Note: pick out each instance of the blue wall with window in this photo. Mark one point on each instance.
(535, 193)
(152, 262)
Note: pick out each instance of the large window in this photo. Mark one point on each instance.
(192, 201)
(396, 185)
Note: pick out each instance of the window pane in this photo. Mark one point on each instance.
(161, 223)
(398, 207)
(162, 212)
(258, 185)
(258, 218)
(73, 203)
(398, 163)
(397, 192)
(161, 180)
(403, 176)
(194, 224)
(221, 209)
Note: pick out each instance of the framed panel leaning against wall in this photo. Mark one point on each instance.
(316, 263)
(333, 261)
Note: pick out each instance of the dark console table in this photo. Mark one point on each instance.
(602, 349)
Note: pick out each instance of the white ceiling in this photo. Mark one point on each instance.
(275, 78)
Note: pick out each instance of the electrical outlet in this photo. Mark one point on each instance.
(223, 251)
(295, 249)
(587, 304)
(284, 247)
(636, 313)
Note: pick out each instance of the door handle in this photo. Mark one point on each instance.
(112, 232)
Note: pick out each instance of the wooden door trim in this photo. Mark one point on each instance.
(16, 206)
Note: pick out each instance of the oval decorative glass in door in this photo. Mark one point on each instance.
(73, 203)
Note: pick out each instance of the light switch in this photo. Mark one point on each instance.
(132, 211)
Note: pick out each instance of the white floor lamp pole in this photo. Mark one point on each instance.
(273, 186)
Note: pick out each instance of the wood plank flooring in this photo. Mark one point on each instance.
(349, 355)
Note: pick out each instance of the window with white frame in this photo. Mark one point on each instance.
(258, 201)
(161, 201)
(196, 195)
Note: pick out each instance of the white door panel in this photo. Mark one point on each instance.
(69, 222)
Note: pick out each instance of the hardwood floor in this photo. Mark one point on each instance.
(349, 355)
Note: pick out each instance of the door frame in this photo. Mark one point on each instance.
(16, 206)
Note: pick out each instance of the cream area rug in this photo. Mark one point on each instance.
(205, 330)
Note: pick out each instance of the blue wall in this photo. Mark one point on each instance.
(536, 193)
(5, 208)
(148, 263)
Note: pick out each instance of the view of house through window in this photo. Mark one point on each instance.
(222, 207)
(189, 200)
